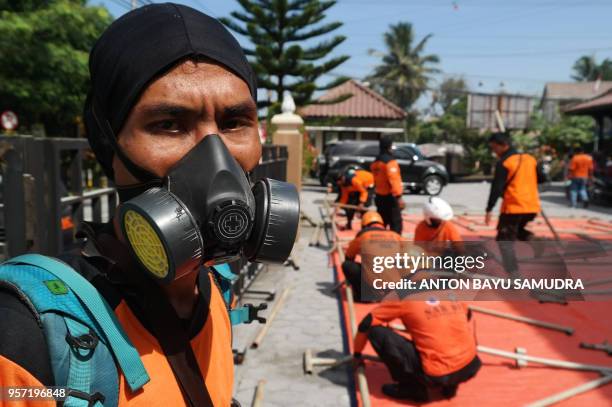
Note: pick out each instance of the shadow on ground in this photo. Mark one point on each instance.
(338, 375)
(327, 288)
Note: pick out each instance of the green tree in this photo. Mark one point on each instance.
(566, 133)
(586, 69)
(405, 71)
(451, 128)
(279, 31)
(524, 140)
(44, 48)
(450, 91)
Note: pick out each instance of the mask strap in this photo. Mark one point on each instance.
(127, 192)
(140, 173)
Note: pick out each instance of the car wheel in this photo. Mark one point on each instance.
(432, 185)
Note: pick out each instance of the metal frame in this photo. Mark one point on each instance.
(37, 187)
(34, 187)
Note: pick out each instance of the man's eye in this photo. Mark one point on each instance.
(234, 124)
(166, 126)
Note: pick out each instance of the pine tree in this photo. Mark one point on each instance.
(281, 33)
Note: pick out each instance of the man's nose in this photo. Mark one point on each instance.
(206, 129)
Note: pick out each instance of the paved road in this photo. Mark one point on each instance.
(309, 319)
(472, 197)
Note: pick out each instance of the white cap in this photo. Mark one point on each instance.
(437, 208)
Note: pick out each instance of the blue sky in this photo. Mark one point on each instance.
(520, 43)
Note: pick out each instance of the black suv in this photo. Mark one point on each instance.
(418, 173)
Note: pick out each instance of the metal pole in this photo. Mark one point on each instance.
(54, 213)
(566, 329)
(14, 199)
(76, 185)
(362, 382)
(259, 394)
(574, 391)
(36, 164)
(264, 330)
(550, 226)
(564, 364)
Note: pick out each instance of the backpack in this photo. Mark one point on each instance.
(86, 342)
(83, 334)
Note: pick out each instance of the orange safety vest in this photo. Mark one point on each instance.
(446, 232)
(387, 175)
(370, 233)
(211, 347)
(440, 331)
(521, 192)
(581, 166)
(360, 182)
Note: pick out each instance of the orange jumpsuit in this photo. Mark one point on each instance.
(440, 331)
(581, 166)
(388, 181)
(360, 183)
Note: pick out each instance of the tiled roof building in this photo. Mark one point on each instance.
(365, 115)
(558, 96)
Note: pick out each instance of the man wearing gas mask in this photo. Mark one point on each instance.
(172, 118)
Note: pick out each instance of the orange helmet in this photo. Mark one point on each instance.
(371, 217)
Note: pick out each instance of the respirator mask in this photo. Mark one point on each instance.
(206, 212)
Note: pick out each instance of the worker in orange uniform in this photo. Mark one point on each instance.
(372, 229)
(516, 182)
(388, 181)
(356, 189)
(436, 229)
(580, 172)
(441, 353)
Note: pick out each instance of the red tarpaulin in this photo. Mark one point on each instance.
(499, 382)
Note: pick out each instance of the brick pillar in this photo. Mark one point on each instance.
(287, 133)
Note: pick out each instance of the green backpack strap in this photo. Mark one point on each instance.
(247, 314)
(241, 315)
(80, 373)
(124, 352)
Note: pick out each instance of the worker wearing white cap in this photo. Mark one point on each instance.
(437, 225)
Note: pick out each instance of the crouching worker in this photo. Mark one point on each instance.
(372, 228)
(135, 318)
(435, 232)
(356, 189)
(440, 356)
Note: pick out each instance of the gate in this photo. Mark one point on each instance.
(46, 192)
(48, 187)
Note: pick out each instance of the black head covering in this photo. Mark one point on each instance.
(139, 47)
(385, 143)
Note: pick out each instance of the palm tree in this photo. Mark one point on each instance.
(586, 68)
(404, 72)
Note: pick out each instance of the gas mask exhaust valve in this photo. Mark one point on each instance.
(231, 222)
